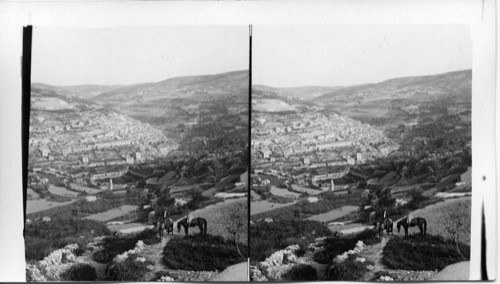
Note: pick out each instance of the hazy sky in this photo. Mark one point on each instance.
(286, 56)
(127, 55)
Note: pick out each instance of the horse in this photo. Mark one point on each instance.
(389, 226)
(169, 225)
(418, 221)
(200, 222)
(160, 226)
(380, 226)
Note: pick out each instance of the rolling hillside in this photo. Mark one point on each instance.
(83, 91)
(305, 92)
(199, 88)
(413, 89)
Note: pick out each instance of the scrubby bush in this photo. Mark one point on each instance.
(301, 272)
(127, 270)
(348, 270)
(148, 236)
(419, 252)
(302, 242)
(80, 272)
(334, 246)
(41, 238)
(199, 253)
(114, 246)
(266, 238)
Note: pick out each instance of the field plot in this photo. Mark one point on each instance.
(348, 228)
(446, 215)
(61, 191)
(219, 216)
(33, 193)
(283, 192)
(264, 206)
(334, 214)
(113, 213)
(367, 112)
(85, 189)
(125, 226)
(33, 206)
(309, 191)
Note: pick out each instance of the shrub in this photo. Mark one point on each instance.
(419, 252)
(301, 272)
(127, 270)
(302, 242)
(148, 236)
(199, 253)
(80, 272)
(114, 246)
(41, 238)
(349, 270)
(267, 238)
(334, 246)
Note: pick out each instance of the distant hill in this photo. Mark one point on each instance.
(200, 88)
(305, 92)
(455, 85)
(83, 91)
(268, 99)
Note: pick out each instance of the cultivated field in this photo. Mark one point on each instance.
(38, 205)
(50, 104)
(33, 193)
(61, 191)
(257, 207)
(269, 105)
(85, 189)
(334, 214)
(113, 213)
(283, 192)
(220, 215)
(309, 191)
(447, 214)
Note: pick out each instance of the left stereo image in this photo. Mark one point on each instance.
(138, 154)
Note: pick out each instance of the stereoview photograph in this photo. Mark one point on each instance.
(361, 153)
(138, 154)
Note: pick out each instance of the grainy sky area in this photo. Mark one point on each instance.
(288, 56)
(128, 55)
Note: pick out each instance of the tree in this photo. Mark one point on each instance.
(238, 224)
(454, 227)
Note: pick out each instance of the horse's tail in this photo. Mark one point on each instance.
(425, 227)
(205, 228)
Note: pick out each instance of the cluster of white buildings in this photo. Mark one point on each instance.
(316, 139)
(86, 140)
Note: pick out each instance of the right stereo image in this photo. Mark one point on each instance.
(361, 154)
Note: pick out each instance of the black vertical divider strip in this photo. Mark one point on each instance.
(484, 270)
(25, 108)
(249, 138)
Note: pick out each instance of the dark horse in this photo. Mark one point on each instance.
(200, 222)
(418, 221)
(384, 224)
(165, 224)
(389, 226)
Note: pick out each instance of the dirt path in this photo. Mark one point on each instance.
(373, 253)
(153, 253)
